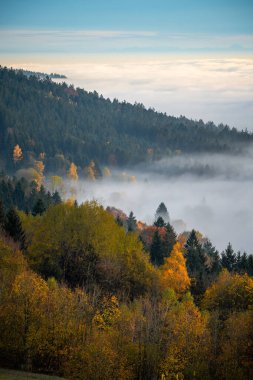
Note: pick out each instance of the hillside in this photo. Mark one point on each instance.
(71, 125)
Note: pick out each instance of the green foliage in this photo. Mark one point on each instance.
(23, 194)
(65, 123)
(83, 245)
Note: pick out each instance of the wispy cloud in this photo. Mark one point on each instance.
(95, 41)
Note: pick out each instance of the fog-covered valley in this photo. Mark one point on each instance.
(211, 193)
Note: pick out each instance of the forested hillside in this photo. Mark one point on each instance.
(68, 124)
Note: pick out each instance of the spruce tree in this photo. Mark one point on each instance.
(131, 222)
(13, 227)
(2, 216)
(160, 222)
(228, 258)
(163, 212)
(39, 207)
(157, 249)
(196, 266)
(170, 239)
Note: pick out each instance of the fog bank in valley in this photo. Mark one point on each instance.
(211, 193)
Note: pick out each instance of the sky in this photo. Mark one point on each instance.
(189, 57)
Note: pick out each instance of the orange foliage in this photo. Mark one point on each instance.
(17, 153)
(174, 274)
(39, 167)
(72, 174)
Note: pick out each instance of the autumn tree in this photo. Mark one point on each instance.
(17, 154)
(39, 167)
(174, 272)
(72, 173)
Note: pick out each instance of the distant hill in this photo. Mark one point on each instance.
(40, 75)
(72, 125)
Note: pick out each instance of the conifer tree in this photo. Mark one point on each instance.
(228, 258)
(157, 250)
(163, 212)
(39, 207)
(195, 261)
(131, 222)
(160, 222)
(2, 215)
(14, 228)
(170, 239)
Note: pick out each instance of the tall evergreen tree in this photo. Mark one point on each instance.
(228, 258)
(157, 249)
(170, 239)
(14, 228)
(163, 212)
(2, 215)
(39, 207)
(196, 266)
(131, 222)
(159, 222)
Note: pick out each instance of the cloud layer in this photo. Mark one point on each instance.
(217, 89)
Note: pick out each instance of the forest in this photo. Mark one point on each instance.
(69, 124)
(89, 293)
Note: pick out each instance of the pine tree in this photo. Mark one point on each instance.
(228, 258)
(170, 239)
(157, 250)
(160, 222)
(131, 222)
(196, 266)
(14, 228)
(39, 207)
(2, 215)
(163, 212)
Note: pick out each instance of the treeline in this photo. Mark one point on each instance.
(25, 195)
(68, 124)
(84, 300)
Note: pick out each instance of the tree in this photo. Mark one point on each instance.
(17, 154)
(72, 174)
(157, 249)
(228, 258)
(174, 273)
(2, 216)
(170, 239)
(131, 222)
(163, 212)
(14, 228)
(230, 293)
(195, 261)
(39, 167)
(159, 222)
(39, 207)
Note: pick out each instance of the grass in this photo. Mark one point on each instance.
(6, 374)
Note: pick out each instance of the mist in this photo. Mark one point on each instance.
(211, 193)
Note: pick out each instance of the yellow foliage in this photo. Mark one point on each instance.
(39, 167)
(174, 273)
(17, 153)
(72, 174)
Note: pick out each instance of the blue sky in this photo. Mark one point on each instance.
(153, 24)
(190, 57)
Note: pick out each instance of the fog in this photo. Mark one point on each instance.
(212, 194)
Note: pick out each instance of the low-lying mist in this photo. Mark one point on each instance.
(211, 193)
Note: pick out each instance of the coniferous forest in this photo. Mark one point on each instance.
(88, 292)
